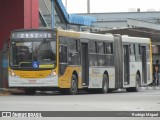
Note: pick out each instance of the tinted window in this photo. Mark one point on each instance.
(63, 40)
(132, 49)
(92, 47)
(63, 54)
(109, 48)
(100, 47)
(93, 53)
(148, 53)
(109, 54)
(132, 52)
(23, 54)
(138, 52)
(73, 52)
(101, 55)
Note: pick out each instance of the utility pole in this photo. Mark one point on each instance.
(66, 4)
(88, 6)
(52, 2)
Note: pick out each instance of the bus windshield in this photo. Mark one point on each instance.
(33, 54)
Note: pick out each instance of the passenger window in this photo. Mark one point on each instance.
(101, 47)
(73, 52)
(109, 48)
(92, 47)
(63, 54)
(93, 53)
(132, 49)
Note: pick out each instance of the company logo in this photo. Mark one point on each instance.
(21, 114)
(6, 114)
(35, 64)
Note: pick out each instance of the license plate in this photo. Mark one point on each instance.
(32, 81)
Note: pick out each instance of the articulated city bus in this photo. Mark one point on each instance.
(68, 61)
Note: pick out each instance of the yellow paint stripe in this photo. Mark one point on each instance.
(151, 70)
(69, 34)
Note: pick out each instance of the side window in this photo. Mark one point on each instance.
(109, 54)
(139, 49)
(109, 48)
(147, 47)
(132, 49)
(101, 54)
(63, 54)
(73, 52)
(132, 52)
(63, 41)
(138, 52)
(93, 53)
(92, 47)
(100, 47)
(148, 53)
(63, 51)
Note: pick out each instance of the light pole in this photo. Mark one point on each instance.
(66, 4)
(52, 2)
(88, 6)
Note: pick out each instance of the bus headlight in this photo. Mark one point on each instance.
(12, 73)
(53, 73)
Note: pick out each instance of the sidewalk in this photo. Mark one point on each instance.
(150, 88)
(3, 92)
(144, 88)
(8, 91)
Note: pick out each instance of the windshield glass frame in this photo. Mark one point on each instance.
(34, 60)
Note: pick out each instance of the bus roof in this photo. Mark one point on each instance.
(87, 35)
(105, 37)
(92, 36)
(135, 39)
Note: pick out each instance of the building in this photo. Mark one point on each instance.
(140, 24)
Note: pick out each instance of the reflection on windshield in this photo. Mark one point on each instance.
(33, 54)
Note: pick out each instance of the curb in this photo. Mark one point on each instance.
(4, 92)
(143, 88)
(150, 88)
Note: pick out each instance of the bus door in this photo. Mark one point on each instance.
(85, 64)
(118, 61)
(126, 59)
(144, 64)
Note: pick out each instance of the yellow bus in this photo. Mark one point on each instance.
(68, 61)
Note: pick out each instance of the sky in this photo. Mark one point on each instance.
(100, 6)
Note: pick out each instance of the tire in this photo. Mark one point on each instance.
(72, 90)
(105, 84)
(30, 91)
(63, 91)
(74, 86)
(129, 89)
(110, 90)
(137, 87)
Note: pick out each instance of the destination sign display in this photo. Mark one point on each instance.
(32, 34)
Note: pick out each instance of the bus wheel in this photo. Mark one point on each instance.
(136, 89)
(73, 89)
(105, 84)
(30, 91)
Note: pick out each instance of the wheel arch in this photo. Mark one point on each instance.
(106, 73)
(139, 74)
(76, 74)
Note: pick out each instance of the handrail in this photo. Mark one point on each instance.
(46, 6)
(43, 5)
(43, 19)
